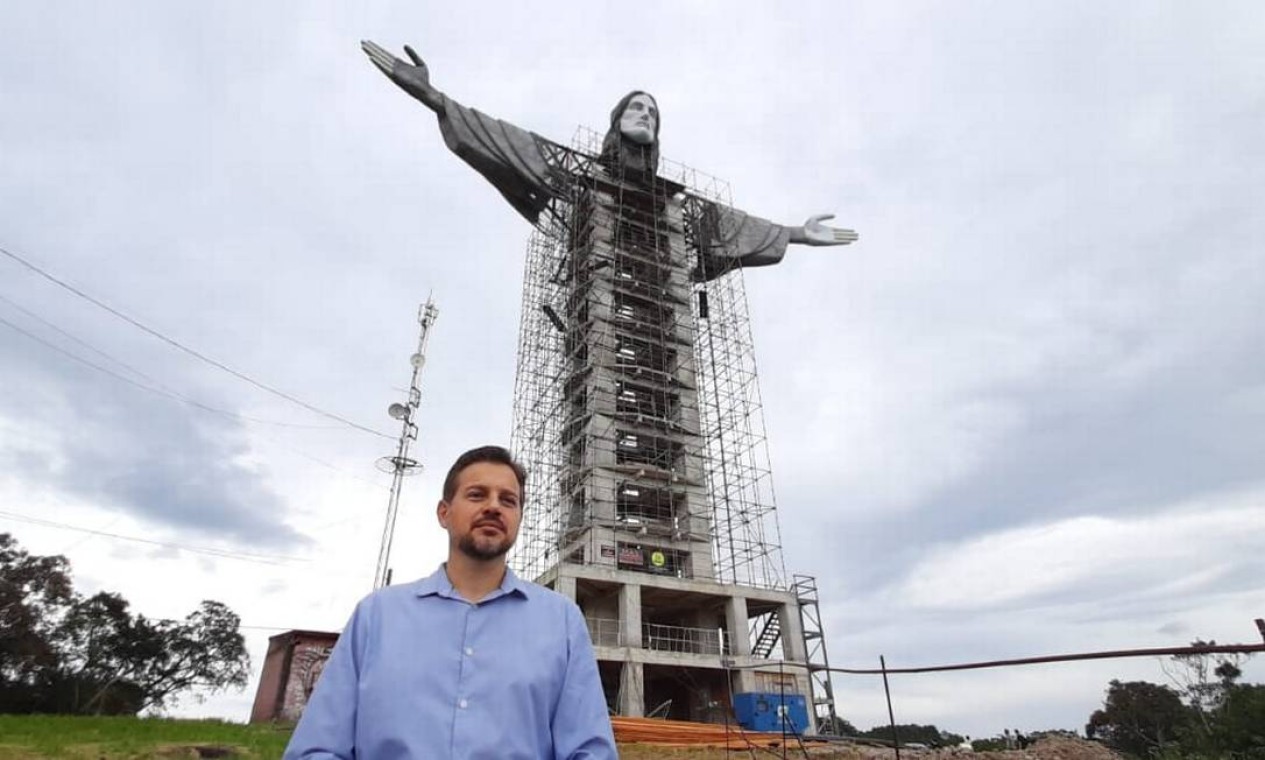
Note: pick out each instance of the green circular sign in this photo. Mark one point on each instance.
(658, 559)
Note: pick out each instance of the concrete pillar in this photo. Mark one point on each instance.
(565, 585)
(736, 623)
(632, 690)
(793, 649)
(736, 626)
(630, 617)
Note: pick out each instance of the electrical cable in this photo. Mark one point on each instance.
(266, 559)
(158, 388)
(176, 344)
(173, 395)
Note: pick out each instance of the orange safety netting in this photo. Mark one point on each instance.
(681, 733)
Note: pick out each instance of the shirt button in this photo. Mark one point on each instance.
(469, 651)
(462, 704)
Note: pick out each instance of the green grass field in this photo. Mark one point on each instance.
(25, 737)
(80, 738)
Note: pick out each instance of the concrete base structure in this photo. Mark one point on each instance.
(677, 648)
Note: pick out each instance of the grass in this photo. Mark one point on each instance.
(26, 737)
(113, 738)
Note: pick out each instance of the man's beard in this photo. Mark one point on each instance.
(484, 549)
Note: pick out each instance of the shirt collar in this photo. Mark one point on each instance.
(437, 584)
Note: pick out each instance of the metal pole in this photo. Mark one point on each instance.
(891, 717)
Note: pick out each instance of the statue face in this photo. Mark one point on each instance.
(640, 119)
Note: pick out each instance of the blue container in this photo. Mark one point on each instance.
(763, 711)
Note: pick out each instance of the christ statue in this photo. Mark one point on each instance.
(524, 167)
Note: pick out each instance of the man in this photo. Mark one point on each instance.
(471, 662)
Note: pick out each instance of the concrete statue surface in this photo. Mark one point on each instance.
(523, 166)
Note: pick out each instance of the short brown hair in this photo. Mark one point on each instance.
(494, 454)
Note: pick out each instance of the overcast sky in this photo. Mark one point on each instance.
(1024, 415)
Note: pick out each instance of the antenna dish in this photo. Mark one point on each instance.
(417, 360)
(398, 411)
(401, 465)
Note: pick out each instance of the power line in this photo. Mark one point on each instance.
(266, 559)
(159, 390)
(165, 392)
(176, 344)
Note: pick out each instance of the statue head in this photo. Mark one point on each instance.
(632, 141)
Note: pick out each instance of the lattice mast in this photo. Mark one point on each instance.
(401, 464)
(637, 408)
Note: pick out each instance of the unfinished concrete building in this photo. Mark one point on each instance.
(638, 414)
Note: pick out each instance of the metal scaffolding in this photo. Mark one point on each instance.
(637, 409)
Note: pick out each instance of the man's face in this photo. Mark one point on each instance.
(483, 517)
(640, 119)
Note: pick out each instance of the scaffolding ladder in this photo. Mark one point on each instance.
(822, 693)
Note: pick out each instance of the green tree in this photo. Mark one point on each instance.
(1203, 678)
(841, 727)
(1139, 718)
(911, 733)
(1208, 681)
(1239, 728)
(205, 652)
(60, 652)
(35, 592)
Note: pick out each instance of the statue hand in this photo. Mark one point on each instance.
(815, 233)
(412, 78)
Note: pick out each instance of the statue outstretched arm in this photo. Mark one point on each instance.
(413, 79)
(731, 238)
(516, 162)
(815, 233)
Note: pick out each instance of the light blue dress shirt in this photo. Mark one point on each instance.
(419, 672)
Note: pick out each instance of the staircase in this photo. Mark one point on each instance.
(768, 637)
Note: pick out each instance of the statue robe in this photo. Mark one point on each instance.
(518, 165)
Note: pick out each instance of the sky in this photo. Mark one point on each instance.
(1023, 415)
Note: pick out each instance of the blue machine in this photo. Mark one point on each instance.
(763, 711)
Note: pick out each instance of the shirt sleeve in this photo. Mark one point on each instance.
(327, 729)
(581, 726)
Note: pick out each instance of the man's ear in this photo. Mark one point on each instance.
(441, 511)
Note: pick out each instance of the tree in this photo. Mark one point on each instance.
(103, 646)
(1229, 716)
(1239, 728)
(205, 652)
(1138, 718)
(34, 594)
(60, 652)
(841, 727)
(1203, 678)
(911, 733)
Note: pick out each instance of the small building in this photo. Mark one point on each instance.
(294, 662)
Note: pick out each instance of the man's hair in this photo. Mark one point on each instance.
(494, 454)
(621, 155)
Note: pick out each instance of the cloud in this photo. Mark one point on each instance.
(1168, 556)
(82, 434)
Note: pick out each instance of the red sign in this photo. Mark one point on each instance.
(631, 555)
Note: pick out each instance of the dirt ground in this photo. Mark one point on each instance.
(1050, 748)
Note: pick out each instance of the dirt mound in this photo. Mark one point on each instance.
(1067, 748)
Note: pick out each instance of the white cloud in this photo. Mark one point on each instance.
(1172, 554)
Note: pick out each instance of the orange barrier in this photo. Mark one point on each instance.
(682, 733)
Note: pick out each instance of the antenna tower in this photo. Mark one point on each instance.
(400, 464)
